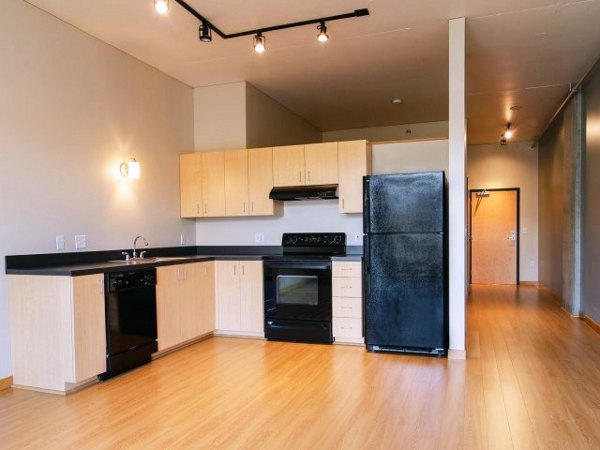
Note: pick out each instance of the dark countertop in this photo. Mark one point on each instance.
(87, 263)
(74, 270)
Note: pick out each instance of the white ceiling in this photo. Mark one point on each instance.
(519, 52)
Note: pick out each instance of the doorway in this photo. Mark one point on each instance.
(494, 236)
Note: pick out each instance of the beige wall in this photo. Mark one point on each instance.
(411, 131)
(72, 109)
(269, 124)
(515, 165)
(220, 117)
(406, 157)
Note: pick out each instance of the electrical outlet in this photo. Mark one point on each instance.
(358, 237)
(182, 239)
(532, 263)
(80, 241)
(259, 238)
(60, 242)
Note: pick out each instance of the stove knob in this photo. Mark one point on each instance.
(294, 239)
(338, 240)
(287, 240)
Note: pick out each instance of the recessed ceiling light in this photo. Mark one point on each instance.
(396, 101)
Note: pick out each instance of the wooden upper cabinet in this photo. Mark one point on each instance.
(190, 184)
(260, 182)
(213, 184)
(321, 163)
(354, 162)
(288, 166)
(236, 183)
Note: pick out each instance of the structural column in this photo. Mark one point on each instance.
(457, 195)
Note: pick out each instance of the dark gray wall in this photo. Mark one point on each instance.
(551, 203)
(590, 301)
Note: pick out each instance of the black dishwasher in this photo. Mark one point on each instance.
(130, 319)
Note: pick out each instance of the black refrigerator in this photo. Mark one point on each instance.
(406, 276)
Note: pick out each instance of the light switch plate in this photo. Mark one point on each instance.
(80, 241)
(60, 242)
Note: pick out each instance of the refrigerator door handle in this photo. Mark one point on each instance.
(367, 254)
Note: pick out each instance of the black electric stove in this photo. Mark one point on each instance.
(297, 287)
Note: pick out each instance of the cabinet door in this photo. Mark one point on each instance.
(228, 295)
(288, 165)
(321, 163)
(168, 307)
(236, 183)
(354, 162)
(190, 184)
(213, 184)
(260, 182)
(252, 297)
(89, 327)
(206, 306)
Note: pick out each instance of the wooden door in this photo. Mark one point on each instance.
(89, 327)
(190, 184)
(213, 184)
(288, 165)
(494, 236)
(260, 181)
(321, 161)
(354, 162)
(236, 183)
(227, 288)
(206, 322)
(252, 303)
(168, 307)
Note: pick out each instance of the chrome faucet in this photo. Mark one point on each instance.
(134, 254)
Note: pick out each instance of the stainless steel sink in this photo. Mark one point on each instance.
(149, 260)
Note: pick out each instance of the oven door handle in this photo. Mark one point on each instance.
(303, 265)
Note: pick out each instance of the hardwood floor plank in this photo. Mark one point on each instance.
(530, 381)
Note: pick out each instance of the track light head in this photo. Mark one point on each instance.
(259, 43)
(503, 141)
(322, 37)
(508, 133)
(205, 33)
(161, 6)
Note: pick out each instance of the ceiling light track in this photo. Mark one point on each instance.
(321, 20)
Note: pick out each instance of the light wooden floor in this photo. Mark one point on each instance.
(532, 381)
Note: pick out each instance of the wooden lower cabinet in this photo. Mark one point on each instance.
(185, 302)
(239, 298)
(347, 302)
(58, 330)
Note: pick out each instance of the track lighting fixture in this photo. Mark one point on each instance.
(162, 6)
(322, 37)
(205, 32)
(259, 43)
(508, 133)
(206, 27)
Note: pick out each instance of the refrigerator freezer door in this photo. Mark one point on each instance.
(405, 303)
(404, 203)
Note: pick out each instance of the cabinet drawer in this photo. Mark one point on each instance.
(347, 307)
(344, 327)
(347, 287)
(347, 269)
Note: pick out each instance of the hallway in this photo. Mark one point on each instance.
(533, 378)
(531, 381)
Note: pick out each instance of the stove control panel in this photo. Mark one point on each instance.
(313, 239)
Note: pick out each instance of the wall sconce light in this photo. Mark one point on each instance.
(130, 169)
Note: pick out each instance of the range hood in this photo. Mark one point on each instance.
(319, 192)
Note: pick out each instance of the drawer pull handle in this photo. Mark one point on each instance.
(346, 328)
(346, 307)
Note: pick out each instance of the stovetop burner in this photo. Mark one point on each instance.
(314, 244)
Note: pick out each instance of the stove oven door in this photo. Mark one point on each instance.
(298, 300)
